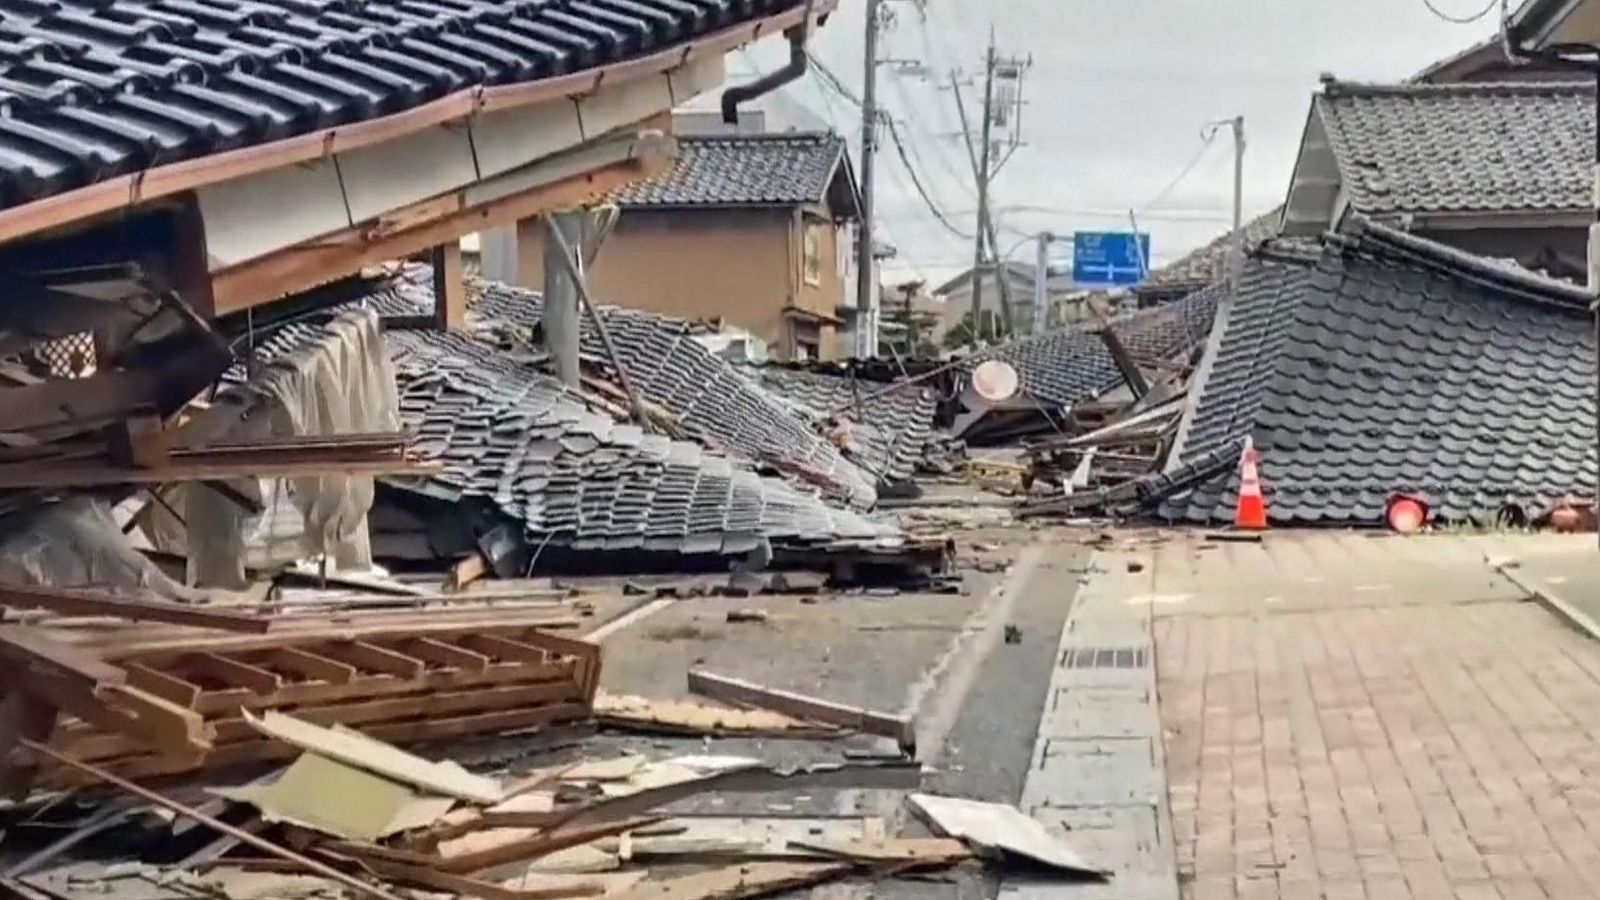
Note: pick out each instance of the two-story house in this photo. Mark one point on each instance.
(756, 230)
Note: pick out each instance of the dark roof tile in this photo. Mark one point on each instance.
(742, 170)
(80, 79)
(1341, 374)
(515, 443)
(1462, 147)
(1068, 365)
(710, 400)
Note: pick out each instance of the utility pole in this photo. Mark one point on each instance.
(866, 275)
(981, 234)
(1236, 252)
(983, 171)
(1041, 275)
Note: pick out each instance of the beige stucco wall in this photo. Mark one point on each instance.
(740, 265)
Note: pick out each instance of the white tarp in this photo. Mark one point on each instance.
(341, 383)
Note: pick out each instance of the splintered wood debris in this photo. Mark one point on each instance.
(737, 690)
(327, 696)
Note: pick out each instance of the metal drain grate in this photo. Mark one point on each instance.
(1104, 658)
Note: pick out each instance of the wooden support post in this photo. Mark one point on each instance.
(561, 323)
(449, 287)
(529, 256)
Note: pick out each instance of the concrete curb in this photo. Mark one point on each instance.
(1550, 600)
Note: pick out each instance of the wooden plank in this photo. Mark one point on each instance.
(35, 651)
(166, 643)
(233, 673)
(921, 852)
(370, 657)
(503, 648)
(445, 654)
(399, 733)
(92, 745)
(495, 847)
(168, 687)
(376, 687)
(310, 665)
(735, 690)
(450, 314)
(678, 717)
(466, 886)
(82, 602)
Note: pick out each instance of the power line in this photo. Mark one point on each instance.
(900, 147)
(1460, 20)
(1207, 137)
(893, 130)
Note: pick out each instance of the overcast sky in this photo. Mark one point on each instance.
(1117, 98)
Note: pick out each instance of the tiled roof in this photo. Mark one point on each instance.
(515, 438)
(742, 170)
(889, 431)
(1462, 147)
(90, 89)
(709, 399)
(515, 444)
(1394, 364)
(1209, 264)
(1063, 367)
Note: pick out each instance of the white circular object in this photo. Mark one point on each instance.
(995, 381)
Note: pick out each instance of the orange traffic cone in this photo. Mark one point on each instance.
(1251, 511)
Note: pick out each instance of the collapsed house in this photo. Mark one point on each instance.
(888, 432)
(1383, 364)
(536, 477)
(1072, 379)
(697, 395)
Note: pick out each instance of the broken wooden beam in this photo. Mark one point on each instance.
(735, 690)
(82, 602)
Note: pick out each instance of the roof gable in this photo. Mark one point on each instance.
(1444, 150)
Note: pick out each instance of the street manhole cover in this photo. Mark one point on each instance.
(1104, 658)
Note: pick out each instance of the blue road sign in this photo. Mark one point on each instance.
(1110, 258)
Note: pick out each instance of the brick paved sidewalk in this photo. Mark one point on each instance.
(1357, 746)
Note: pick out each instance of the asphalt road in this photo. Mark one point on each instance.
(977, 698)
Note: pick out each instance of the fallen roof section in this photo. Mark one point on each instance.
(1390, 364)
(1062, 367)
(1209, 264)
(512, 437)
(708, 399)
(888, 431)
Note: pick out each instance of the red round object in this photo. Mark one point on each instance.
(1406, 515)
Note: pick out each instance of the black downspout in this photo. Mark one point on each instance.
(732, 97)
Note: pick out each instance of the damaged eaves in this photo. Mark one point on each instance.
(93, 90)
